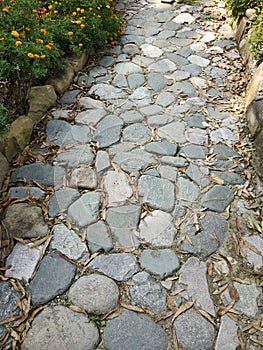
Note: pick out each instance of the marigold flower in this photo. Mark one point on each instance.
(5, 9)
(15, 33)
(80, 45)
(34, 11)
(78, 9)
(78, 21)
(98, 8)
(43, 10)
(36, 55)
(108, 6)
(90, 8)
(99, 16)
(18, 43)
(55, 12)
(40, 41)
(42, 30)
(82, 26)
(23, 35)
(82, 10)
(74, 13)
(50, 7)
(70, 33)
(1, 39)
(49, 47)
(43, 56)
(27, 28)
(30, 55)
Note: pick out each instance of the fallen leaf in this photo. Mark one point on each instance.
(181, 309)
(240, 339)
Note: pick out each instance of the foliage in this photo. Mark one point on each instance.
(239, 7)
(37, 35)
(5, 119)
(256, 39)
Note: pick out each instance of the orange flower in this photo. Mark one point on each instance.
(15, 33)
(40, 41)
(36, 55)
(50, 7)
(2, 39)
(42, 30)
(18, 43)
(80, 45)
(90, 8)
(27, 28)
(78, 21)
(82, 26)
(55, 12)
(82, 10)
(99, 16)
(74, 13)
(30, 55)
(5, 9)
(43, 56)
(70, 33)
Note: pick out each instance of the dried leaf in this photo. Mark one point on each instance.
(220, 290)
(77, 309)
(171, 304)
(224, 309)
(216, 179)
(181, 309)
(233, 291)
(132, 307)
(206, 315)
(210, 269)
(240, 339)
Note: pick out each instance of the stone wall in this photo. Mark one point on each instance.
(41, 98)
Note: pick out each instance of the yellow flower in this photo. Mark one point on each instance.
(74, 13)
(27, 28)
(82, 10)
(30, 55)
(80, 45)
(70, 33)
(50, 7)
(108, 6)
(90, 8)
(48, 46)
(2, 39)
(40, 41)
(5, 9)
(82, 26)
(78, 9)
(78, 22)
(99, 16)
(18, 43)
(15, 33)
(36, 55)
(98, 8)
(42, 30)
(34, 11)
(43, 56)
(56, 12)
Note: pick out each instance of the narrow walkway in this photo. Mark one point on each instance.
(134, 176)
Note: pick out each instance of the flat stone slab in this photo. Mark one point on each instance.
(198, 174)
(102, 161)
(146, 292)
(95, 293)
(193, 278)
(223, 151)
(160, 262)
(58, 327)
(156, 81)
(134, 160)
(119, 266)
(173, 132)
(184, 17)
(84, 178)
(117, 188)
(131, 330)
(26, 191)
(158, 229)
(127, 68)
(136, 133)
(23, 261)
(162, 148)
(61, 200)
(90, 117)
(188, 192)
(68, 243)
(98, 237)
(254, 250)
(8, 296)
(218, 198)
(157, 193)
(162, 66)
(43, 173)
(227, 335)
(193, 331)
(75, 156)
(131, 116)
(107, 92)
(52, 278)
(85, 210)
(194, 151)
(151, 50)
(108, 131)
(24, 221)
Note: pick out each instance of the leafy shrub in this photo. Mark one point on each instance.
(36, 36)
(239, 7)
(5, 119)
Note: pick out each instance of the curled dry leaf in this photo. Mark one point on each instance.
(181, 309)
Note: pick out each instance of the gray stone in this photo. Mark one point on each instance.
(102, 161)
(200, 61)
(255, 256)
(131, 330)
(85, 210)
(141, 96)
(41, 98)
(135, 80)
(68, 97)
(95, 293)
(218, 198)
(168, 172)
(173, 132)
(193, 69)
(136, 133)
(8, 296)
(85, 178)
(146, 292)
(180, 75)
(179, 109)
(23, 261)
(197, 136)
(76, 155)
(161, 262)
(142, 61)
(184, 88)
(194, 151)
(195, 174)
(151, 51)
(188, 192)
(162, 148)
(24, 221)
(156, 81)
(222, 135)
(184, 17)
(131, 116)
(130, 49)
(174, 161)
(134, 160)
(185, 52)
(61, 200)
(58, 328)
(120, 81)
(43, 173)
(162, 66)
(107, 92)
(229, 178)
(90, 117)
(119, 266)
(24, 191)
(158, 229)
(196, 121)
(165, 99)
(247, 303)
(117, 187)
(157, 193)
(107, 61)
(151, 109)
(98, 237)
(68, 243)
(227, 336)
(127, 68)
(52, 278)
(108, 131)
(159, 120)
(193, 331)
(193, 278)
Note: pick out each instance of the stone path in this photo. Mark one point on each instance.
(138, 197)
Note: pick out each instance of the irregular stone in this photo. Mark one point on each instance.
(157, 193)
(119, 266)
(151, 109)
(197, 175)
(120, 81)
(223, 151)
(58, 327)
(168, 172)
(102, 161)
(126, 68)
(95, 293)
(197, 136)
(156, 81)
(108, 131)
(194, 151)
(98, 237)
(193, 331)
(184, 88)
(162, 66)
(255, 256)
(8, 296)
(85, 210)
(165, 99)
(160, 120)
(254, 116)
(174, 161)
(52, 278)
(131, 116)
(135, 80)
(188, 192)
(146, 292)
(193, 69)
(131, 330)
(25, 191)
(141, 96)
(24, 221)
(83, 178)
(75, 156)
(180, 75)
(158, 229)
(218, 198)
(61, 200)
(68, 97)
(200, 61)
(90, 103)
(107, 92)
(130, 49)
(161, 263)
(184, 17)
(23, 260)
(173, 132)
(136, 133)
(117, 188)
(151, 50)
(90, 117)
(161, 148)
(107, 61)
(192, 277)
(4, 168)
(43, 173)
(41, 98)
(227, 336)
(222, 135)
(68, 243)
(229, 178)
(134, 160)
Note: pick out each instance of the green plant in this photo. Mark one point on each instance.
(6, 118)
(239, 7)
(256, 39)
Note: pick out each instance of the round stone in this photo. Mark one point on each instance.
(95, 293)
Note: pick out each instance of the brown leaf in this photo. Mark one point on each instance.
(132, 307)
(240, 339)
(216, 179)
(233, 291)
(77, 309)
(171, 304)
(206, 315)
(210, 269)
(181, 309)
(224, 309)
